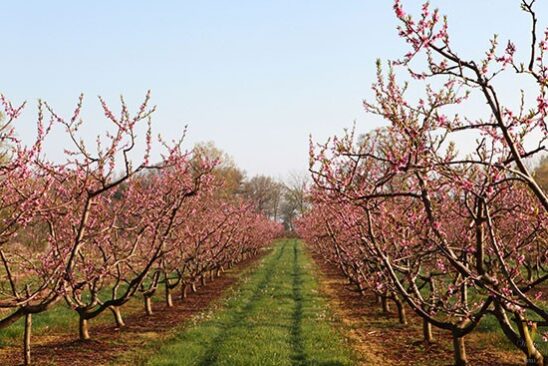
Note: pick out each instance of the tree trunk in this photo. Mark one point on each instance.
(527, 347)
(460, 350)
(117, 316)
(203, 280)
(385, 305)
(534, 357)
(529, 273)
(427, 331)
(83, 327)
(401, 312)
(148, 305)
(193, 287)
(184, 291)
(361, 289)
(169, 299)
(26, 339)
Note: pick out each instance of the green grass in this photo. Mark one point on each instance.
(60, 319)
(276, 316)
(54, 320)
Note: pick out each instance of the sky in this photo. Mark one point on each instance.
(256, 77)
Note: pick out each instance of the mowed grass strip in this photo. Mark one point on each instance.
(275, 317)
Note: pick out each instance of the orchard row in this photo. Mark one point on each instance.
(108, 224)
(452, 236)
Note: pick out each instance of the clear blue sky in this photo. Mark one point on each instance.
(257, 77)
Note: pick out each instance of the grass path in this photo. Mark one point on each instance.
(275, 317)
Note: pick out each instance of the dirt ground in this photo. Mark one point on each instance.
(109, 342)
(381, 340)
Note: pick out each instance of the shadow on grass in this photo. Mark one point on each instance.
(299, 355)
(212, 354)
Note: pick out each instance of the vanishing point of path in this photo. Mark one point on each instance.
(276, 316)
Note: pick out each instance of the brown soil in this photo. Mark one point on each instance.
(109, 342)
(381, 340)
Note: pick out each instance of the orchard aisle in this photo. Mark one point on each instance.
(275, 317)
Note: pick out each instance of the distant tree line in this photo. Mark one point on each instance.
(282, 200)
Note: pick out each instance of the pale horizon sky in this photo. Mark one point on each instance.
(256, 77)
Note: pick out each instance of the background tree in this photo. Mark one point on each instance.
(295, 199)
(541, 173)
(266, 193)
(226, 170)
